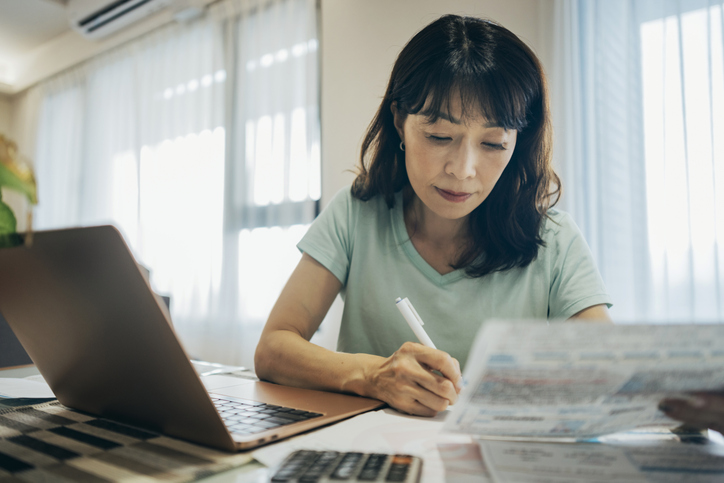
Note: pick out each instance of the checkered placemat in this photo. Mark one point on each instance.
(50, 442)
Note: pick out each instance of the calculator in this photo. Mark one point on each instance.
(306, 466)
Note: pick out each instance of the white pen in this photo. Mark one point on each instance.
(414, 321)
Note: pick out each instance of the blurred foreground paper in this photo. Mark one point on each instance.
(581, 380)
(656, 462)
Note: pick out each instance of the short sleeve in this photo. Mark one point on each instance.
(575, 281)
(330, 239)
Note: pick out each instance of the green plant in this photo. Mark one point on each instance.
(15, 174)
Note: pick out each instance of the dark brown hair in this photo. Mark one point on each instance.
(498, 76)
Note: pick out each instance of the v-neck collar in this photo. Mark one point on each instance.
(398, 223)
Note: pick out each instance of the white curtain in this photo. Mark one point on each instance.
(209, 167)
(638, 102)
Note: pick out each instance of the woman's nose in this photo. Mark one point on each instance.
(463, 164)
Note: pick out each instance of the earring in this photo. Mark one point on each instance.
(402, 146)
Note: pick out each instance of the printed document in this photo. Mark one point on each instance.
(580, 380)
(517, 461)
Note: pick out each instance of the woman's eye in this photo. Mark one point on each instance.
(500, 147)
(438, 139)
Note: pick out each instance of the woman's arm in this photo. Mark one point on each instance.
(284, 355)
(597, 312)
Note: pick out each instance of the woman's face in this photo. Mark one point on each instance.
(454, 163)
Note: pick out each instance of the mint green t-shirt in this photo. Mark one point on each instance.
(366, 246)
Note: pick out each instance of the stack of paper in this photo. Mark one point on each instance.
(581, 380)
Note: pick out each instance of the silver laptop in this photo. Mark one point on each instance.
(86, 315)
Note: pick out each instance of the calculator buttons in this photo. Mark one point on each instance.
(332, 466)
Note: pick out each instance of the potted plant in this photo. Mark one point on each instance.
(15, 174)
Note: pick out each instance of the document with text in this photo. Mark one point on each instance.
(580, 380)
(672, 462)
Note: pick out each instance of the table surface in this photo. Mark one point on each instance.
(410, 431)
(381, 431)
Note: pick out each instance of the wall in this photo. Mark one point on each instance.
(4, 115)
(360, 41)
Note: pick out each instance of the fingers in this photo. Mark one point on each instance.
(459, 383)
(400, 388)
(439, 374)
(437, 360)
(438, 385)
(418, 401)
(416, 408)
(702, 410)
(407, 382)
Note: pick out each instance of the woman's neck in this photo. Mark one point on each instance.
(425, 226)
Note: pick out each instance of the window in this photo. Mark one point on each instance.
(201, 143)
(640, 87)
(683, 110)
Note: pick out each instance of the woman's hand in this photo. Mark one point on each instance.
(406, 380)
(702, 410)
(284, 355)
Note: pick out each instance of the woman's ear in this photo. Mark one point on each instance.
(399, 120)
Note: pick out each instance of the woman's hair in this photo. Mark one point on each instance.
(497, 76)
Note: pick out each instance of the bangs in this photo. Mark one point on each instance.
(506, 107)
(498, 83)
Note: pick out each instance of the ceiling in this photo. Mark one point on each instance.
(36, 40)
(26, 25)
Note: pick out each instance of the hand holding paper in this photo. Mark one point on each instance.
(578, 380)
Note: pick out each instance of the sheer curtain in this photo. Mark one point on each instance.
(638, 90)
(209, 168)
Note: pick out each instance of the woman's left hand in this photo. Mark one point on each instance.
(701, 410)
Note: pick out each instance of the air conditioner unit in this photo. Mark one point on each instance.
(95, 19)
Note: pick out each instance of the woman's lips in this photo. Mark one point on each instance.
(453, 196)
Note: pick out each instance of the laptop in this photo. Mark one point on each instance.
(104, 342)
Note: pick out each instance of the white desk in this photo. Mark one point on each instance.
(385, 431)
(388, 431)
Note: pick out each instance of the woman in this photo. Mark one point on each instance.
(451, 208)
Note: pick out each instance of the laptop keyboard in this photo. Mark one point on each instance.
(248, 417)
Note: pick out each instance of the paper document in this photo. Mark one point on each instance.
(581, 380)
(515, 462)
(205, 368)
(463, 463)
(12, 387)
